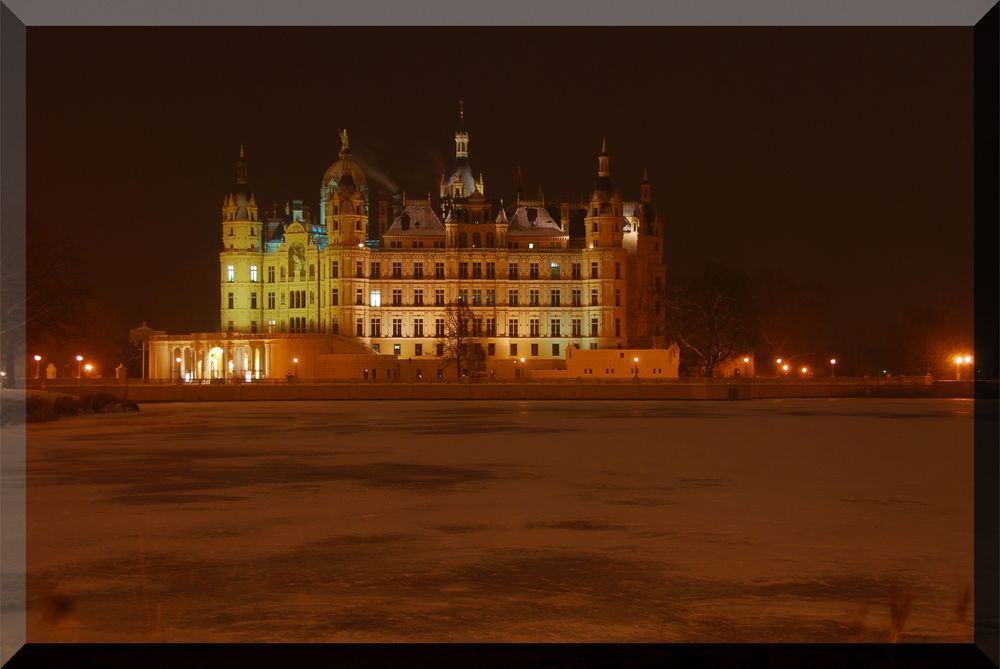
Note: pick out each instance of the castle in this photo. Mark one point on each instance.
(308, 288)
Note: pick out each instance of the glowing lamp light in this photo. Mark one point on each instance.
(958, 360)
(805, 370)
(38, 358)
(295, 360)
(177, 360)
(746, 359)
(3, 373)
(784, 368)
(833, 361)
(88, 368)
(778, 361)
(522, 361)
(968, 359)
(79, 358)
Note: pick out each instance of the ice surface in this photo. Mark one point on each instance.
(514, 521)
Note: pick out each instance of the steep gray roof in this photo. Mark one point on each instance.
(416, 219)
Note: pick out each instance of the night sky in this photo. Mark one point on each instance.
(842, 156)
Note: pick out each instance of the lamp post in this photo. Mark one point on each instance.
(958, 368)
(38, 366)
(778, 363)
(746, 366)
(635, 368)
(295, 361)
(79, 366)
(178, 361)
(833, 367)
(805, 372)
(88, 368)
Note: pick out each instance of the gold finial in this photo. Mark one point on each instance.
(344, 144)
(461, 109)
(604, 145)
(241, 152)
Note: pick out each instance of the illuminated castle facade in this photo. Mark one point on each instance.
(531, 289)
(316, 296)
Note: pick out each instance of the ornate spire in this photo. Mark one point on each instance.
(241, 170)
(461, 109)
(603, 161)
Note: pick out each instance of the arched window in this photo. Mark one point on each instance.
(476, 241)
(312, 272)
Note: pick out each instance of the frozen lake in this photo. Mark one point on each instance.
(784, 520)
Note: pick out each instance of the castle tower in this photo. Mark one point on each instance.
(241, 258)
(344, 199)
(605, 221)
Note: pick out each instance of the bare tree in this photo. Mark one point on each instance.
(706, 314)
(460, 345)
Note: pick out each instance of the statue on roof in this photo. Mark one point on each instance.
(344, 145)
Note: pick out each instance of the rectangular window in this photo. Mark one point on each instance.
(618, 327)
(512, 297)
(491, 350)
(477, 297)
(335, 297)
(439, 297)
(533, 328)
(491, 297)
(512, 271)
(253, 274)
(359, 297)
(555, 327)
(335, 269)
(593, 327)
(533, 297)
(231, 300)
(577, 328)
(282, 299)
(253, 300)
(463, 295)
(418, 327)
(491, 270)
(397, 327)
(270, 274)
(513, 349)
(555, 350)
(418, 350)
(477, 270)
(439, 350)
(253, 326)
(512, 327)
(576, 297)
(230, 273)
(491, 327)
(418, 297)
(375, 298)
(270, 300)
(359, 269)
(360, 328)
(438, 327)
(376, 327)
(618, 297)
(463, 270)
(397, 297)
(418, 270)
(534, 349)
(376, 270)
(439, 270)
(593, 297)
(395, 349)
(533, 270)
(554, 298)
(618, 270)
(477, 327)
(397, 270)
(576, 270)
(554, 270)
(593, 270)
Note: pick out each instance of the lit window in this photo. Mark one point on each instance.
(230, 273)
(376, 298)
(253, 273)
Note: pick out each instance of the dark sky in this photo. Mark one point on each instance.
(840, 155)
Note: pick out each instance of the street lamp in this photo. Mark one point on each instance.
(38, 366)
(833, 366)
(295, 361)
(79, 366)
(635, 370)
(178, 361)
(746, 366)
(805, 370)
(88, 368)
(784, 368)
